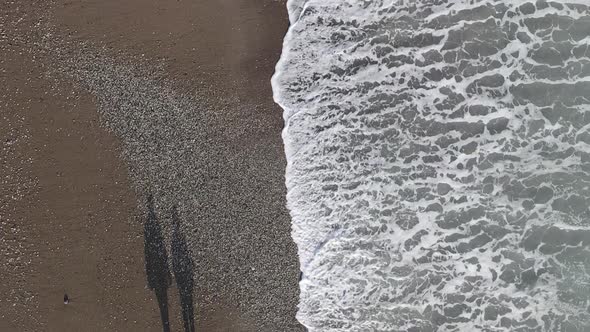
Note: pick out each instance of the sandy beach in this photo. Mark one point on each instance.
(140, 137)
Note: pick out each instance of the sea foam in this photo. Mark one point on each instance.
(439, 163)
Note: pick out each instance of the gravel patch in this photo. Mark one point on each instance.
(204, 155)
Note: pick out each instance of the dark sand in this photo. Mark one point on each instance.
(74, 223)
(67, 216)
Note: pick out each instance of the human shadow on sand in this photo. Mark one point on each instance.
(182, 266)
(156, 262)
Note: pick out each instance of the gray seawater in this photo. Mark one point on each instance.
(439, 163)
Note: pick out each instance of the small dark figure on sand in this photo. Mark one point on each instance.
(66, 299)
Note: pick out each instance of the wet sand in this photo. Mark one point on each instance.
(78, 225)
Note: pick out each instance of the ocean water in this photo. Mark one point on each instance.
(439, 163)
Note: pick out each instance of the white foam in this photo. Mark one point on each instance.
(381, 121)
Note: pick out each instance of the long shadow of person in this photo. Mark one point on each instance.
(182, 266)
(156, 262)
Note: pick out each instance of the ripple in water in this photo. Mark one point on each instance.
(439, 163)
